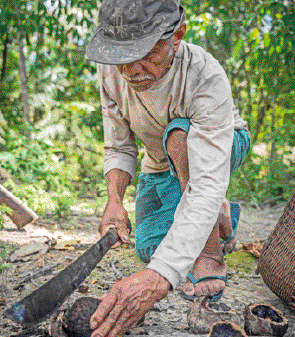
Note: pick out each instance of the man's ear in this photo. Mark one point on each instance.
(178, 36)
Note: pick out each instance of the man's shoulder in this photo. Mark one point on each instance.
(193, 48)
(110, 79)
(200, 61)
(196, 57)
(107, 70)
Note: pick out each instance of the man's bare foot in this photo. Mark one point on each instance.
(225, 226)
(207, 265)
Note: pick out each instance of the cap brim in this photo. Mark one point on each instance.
(107, 51)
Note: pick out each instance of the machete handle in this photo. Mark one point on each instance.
(129, 226)
(42, 302)
(115, 234)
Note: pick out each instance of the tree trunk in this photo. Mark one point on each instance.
(273, 143)
(23, 77)
(260, 118)
(40, 42)
(255, 132)
(249, 107)
(4, 58)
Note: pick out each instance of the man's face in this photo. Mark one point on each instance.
(142, 74)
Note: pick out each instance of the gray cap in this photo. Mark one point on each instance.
(129, 29)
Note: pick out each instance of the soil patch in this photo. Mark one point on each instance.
(168, 317)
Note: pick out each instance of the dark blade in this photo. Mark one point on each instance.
(42, 302)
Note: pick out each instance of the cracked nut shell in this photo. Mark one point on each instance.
(228, 329)
(264, 320)
(202, 314)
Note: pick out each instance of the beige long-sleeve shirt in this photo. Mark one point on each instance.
(195, 87)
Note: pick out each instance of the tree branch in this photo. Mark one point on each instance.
(4, 58)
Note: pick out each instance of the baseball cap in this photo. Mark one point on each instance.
(129, 29)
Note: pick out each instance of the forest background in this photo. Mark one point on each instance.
(51, 132)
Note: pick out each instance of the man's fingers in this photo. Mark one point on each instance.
(123, 234)
(117, 244)
(102, 297)
(125, 321)
(103, 309)
(109, 322)
(105, 229)
(120, 326)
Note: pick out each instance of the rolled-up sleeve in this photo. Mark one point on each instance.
(120, 147)
(209, 143)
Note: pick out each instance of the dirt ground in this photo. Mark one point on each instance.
(72, 236)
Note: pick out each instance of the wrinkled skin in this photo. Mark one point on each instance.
(127, 302)
(115, 215)
(143, 74)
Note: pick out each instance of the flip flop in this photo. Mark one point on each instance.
(213, 298)
(235, 210)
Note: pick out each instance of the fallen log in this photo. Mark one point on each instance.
(21, 214)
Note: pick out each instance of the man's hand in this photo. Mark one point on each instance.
(127, 302)
(115, 216)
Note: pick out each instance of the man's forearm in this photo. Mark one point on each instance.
(117, 182)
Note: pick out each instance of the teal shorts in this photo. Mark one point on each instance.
(158, 194)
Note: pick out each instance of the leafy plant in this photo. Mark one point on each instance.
(4, 210)
(56, 149)
(4, 251)
(43, 202)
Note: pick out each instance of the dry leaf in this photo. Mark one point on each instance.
(66, 245)
(253, 248)
(104, 286)
(83, 289)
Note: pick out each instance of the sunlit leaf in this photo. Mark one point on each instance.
(267, 40)
(237, 48)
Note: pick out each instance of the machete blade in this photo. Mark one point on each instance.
(42, 302)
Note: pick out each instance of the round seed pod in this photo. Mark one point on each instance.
(226, 329)
(202, 314)
(76, 321)
(264, 320)
(77, 318)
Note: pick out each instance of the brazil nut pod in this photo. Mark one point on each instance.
(77, 318)
(264, 320)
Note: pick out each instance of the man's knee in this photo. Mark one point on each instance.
(145, 254)
(177, 143)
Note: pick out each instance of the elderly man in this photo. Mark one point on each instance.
(176, 99)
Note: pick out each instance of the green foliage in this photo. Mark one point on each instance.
(4, 251)
(242, 261)
(31, 160)
(4, 210)
(255, 42)
(2, 125)
(43, 202)
(59, 156)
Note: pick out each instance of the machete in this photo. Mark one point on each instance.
(42, 302)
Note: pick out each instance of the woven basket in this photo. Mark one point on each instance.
(277, 261)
